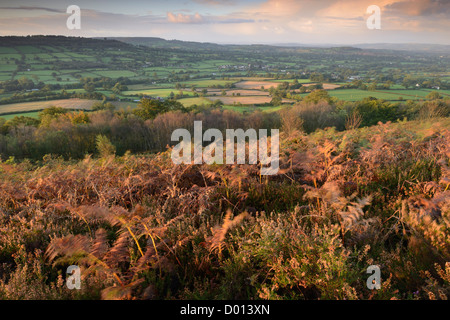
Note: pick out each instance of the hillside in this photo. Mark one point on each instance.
(88, 179)
(142, 228)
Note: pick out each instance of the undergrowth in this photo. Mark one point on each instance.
(142, 228)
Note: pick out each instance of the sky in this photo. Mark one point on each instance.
(235, 21)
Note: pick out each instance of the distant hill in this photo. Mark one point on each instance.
(434, 48)
(63, 41)
(159, 43)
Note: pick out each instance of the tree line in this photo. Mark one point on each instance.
(148, 128)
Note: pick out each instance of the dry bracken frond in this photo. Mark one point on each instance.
(217, 240)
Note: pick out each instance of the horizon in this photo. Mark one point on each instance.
(271, 22)
(287, 44)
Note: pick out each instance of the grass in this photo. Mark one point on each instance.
(188, 102)
(7, 50)
(7, 67)
(5, 76)
(33, 114)
(28, 49)
(208, 83)
(157, 92)
(246, 108)
(356, 94)
(246, 100)
(393, 95)
(292, 80)
(115, 73)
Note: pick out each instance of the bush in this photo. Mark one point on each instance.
(104, 147)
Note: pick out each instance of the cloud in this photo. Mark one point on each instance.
(184, 18)
(199, 19)
(28, 8)
(256, 21)
(419, 7)
(346, 19)
(306, 26)
(216, 2)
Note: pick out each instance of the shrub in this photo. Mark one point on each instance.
(104, 147)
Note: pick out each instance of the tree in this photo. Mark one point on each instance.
(52, 111)
(434, 95)
(149, 108)
(372, 86)
(47, 115)
(318, 95)
(79, 118)
(409, 81)
(89, 87)
(353, 120)
(103, 106)
(26, 83)
(290, 121)
(118, 88)
(104, 147)
(18, 120)
(276, 101)
(317, 77)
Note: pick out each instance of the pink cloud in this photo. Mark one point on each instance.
(184, 18)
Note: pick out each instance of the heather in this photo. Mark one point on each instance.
(143, 228)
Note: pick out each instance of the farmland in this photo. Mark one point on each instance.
(40, 105)
(90, 68)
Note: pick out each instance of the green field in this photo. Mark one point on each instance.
(245, 108)
(357, 94)
(406, 94)
(4, 50)
(188, 102)
(157, 92)
(33, 114)
(5, 76)
(292, 80)
(7, 67)
(29, 49)
(114, 73)
(209, 82)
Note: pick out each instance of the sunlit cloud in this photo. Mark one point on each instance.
(262, 21)
(184, 18)
(419, 8)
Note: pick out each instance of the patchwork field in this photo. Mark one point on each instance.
(39, 105)
(247, 92)
(357, 94)
(164, 93)
(249, 108)
(256, 84)
(33, 114)
(189, 102)
(249, 100)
